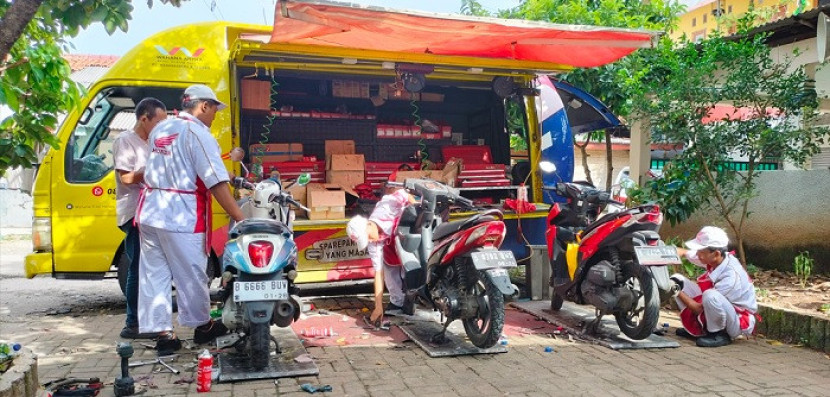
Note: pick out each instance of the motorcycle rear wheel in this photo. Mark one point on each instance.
(260, 344)
(639, 322)
(484, 330)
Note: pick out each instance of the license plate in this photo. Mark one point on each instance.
(659, 255)
(248, 291)
(483, 260)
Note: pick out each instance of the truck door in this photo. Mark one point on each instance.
(84, 234)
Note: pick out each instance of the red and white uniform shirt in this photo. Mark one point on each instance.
(386, 214)
(184, 162)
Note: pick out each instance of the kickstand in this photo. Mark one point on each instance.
(441, 336)
(592, 328)
(278, 350)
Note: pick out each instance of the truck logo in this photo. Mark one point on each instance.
(179, 50)
(97, 191)
(334, 250)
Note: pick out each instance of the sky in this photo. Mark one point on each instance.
(146, 22)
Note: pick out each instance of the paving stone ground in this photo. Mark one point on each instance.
(84, 347)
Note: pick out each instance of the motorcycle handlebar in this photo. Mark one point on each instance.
(240, 183)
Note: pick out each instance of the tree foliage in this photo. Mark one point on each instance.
(34, 78)
(775, 106)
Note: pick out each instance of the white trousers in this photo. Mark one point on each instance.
(393, 278)
(719, 312)
(166, 257)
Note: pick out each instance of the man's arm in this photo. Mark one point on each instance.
(692, 304)
(223, 195)
(131, 177)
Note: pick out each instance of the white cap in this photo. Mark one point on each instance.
(356, 229)
(709, 236)
(203, 93)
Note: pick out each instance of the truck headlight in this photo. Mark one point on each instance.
(41, 234)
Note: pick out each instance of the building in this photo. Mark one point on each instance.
(709, 16)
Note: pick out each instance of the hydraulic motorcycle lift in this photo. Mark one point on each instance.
(234, 366)
(424, 326)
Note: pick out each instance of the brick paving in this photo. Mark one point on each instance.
(84, 346)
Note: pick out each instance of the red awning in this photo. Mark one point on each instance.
(375, 28)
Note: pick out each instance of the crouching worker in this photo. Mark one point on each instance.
(374, 234)
(721, 305)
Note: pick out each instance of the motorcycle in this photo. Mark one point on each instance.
(259, 267)
(454, 267)
(608, 256)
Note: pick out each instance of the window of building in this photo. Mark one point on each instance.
(694, 22)
(704, 17)
(729, 10)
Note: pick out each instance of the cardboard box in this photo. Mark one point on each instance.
(448, 175)
(347, 179)
(299, 193)
(276, 152)
(256, 94)
(339, 147)
(326, 201)
(346, 162)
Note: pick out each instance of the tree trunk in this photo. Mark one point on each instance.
(583, 148)
(609, 163)
(19, 14)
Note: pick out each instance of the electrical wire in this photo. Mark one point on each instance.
(423, 154)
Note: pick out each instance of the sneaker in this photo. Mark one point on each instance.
(132, 333)
(683, 333)
(393, 310)
(714, 339)
(209, 331)
(167, 343)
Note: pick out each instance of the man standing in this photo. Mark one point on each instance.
(183, 169)
(130, 152)
(721, 305)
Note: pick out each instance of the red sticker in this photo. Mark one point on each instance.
(97, 191)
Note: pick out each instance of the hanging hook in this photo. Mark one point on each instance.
(255, 74)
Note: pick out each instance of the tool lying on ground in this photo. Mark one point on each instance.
(124, 385)
(73, 387)
(309, 388)
(158, 360)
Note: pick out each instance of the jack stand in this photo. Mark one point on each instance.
(125, 385)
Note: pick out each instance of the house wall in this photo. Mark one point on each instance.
(791, 214)
(700, 22)
(596, 163)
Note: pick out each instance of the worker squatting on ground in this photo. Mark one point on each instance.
(721, 305)
(174, 216)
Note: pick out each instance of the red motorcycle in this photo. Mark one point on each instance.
(454, 267)
(614, 261)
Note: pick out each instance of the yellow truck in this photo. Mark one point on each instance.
(395, 84)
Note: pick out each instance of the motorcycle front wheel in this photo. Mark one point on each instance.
(260, 344)
(484, 329)
(639, 321)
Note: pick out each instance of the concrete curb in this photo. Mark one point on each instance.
(21, 379)
(795, 328)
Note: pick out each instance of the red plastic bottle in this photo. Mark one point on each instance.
(204, 372)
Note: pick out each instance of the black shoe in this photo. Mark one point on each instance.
(683, 333)
(209, 331)
(716, 339)
(132, 333)
(393, 310)
(167, 343)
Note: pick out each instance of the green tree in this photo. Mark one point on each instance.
(776, 106)
(34, 78)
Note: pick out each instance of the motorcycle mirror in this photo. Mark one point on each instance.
(303, 179)
(547, 166)
(237, 154)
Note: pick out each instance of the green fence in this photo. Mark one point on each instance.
(658, 164)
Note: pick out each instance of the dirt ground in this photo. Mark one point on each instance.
(783, 290)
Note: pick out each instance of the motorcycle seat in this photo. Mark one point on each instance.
(252, 226)
(448, 228)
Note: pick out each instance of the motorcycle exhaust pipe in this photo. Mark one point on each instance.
(284, 314)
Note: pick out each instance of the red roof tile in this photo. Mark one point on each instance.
(80, 61)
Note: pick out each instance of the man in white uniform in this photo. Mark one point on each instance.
(721, 305)
(183, 170)
(129, 151)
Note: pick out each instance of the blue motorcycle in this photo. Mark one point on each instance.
(259, 267)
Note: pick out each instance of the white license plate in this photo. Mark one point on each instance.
(659, 255)
(483, 260)
(248, 291)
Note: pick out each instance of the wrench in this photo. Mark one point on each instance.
(158, 360)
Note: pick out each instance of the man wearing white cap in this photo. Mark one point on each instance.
(721, 305)
(182, 171)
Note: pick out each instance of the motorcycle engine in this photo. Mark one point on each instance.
(598, 287)
(446, 298)
(232, 314)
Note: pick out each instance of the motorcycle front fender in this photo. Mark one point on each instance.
(259, 312)
(501, 279)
